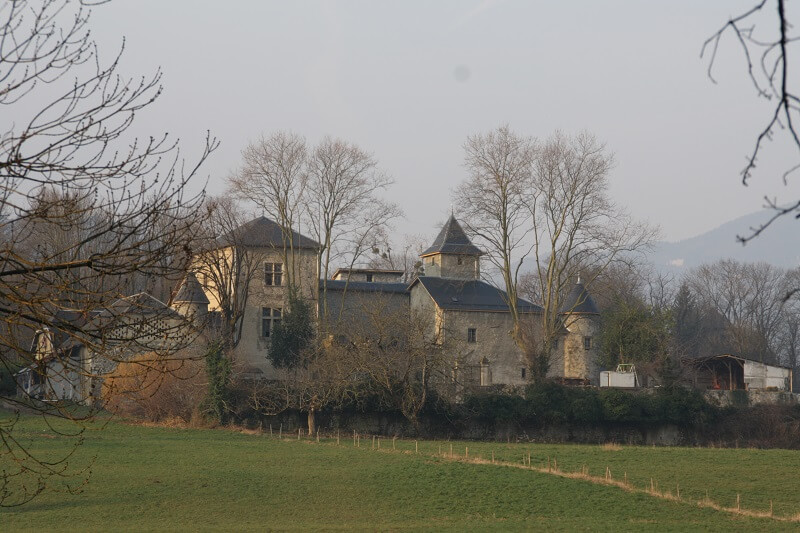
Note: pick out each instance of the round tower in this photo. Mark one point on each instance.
(580, 317)
(191, 300)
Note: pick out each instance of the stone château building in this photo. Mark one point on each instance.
(465, 316)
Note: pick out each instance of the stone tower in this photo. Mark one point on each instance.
(580, 317)
(452, 255)
(191, 300)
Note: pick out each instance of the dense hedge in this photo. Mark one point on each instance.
(552, 404)
(8, 385)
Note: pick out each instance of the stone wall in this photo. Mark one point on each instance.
(453, 266)
(493, 342)
(251, 353)
(578, 361)
(743, 398)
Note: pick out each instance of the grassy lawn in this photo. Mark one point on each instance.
(159, 478)
(757, 476)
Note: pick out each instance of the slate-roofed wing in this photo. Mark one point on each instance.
(471, 295)
(263, 232)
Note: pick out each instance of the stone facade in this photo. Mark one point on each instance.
(466, 317)
(262, 302)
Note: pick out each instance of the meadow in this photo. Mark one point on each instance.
(156, 478)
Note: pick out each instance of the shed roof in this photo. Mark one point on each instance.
(741, 360)
(470, 295)
(141, 304)
(452, 240)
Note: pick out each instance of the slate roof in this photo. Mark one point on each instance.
(190, 291)
(470, 295)
(263, 232)
(452, 240)
(365, 286)
(579, 301)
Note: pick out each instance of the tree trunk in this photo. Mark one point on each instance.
(312, 421)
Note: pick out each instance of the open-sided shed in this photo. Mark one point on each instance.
(731, 372)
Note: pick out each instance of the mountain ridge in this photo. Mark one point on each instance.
(777, 245)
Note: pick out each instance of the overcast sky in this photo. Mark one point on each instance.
(408, 81)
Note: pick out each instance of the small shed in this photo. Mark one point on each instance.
(624, 377)
(731, 372)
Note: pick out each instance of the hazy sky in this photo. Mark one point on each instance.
(409, 81)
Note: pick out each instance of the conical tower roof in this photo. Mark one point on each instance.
(452, 240)
(190, 291)
(579, 301)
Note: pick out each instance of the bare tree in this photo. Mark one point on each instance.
(391, 350)
(343, 182)
(370, 231)
(226, 266)
(493, 202)
(274, 176)
(67, 161)
(576, 226)
(405, 256)
(750, 298)
(766, 55)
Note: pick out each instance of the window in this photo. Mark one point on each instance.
(270, 318)
(523, 373)
(460, 260)
(587, 343)
(273, 274)
(369, 278)
(472, 335)
(486, 373)
(555, 344)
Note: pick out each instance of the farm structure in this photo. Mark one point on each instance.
(70, 368)
(731, 372)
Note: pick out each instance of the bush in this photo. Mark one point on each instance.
(156, 389)
(8, 385)
(553, 404)
(495, 407)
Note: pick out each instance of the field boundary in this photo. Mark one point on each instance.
(553, 469)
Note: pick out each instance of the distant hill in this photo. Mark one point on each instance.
(778, 245)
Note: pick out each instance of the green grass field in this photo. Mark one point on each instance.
(146, 478)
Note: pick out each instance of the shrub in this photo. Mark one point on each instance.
(156, 388)
(8, 385)
(553, 404)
